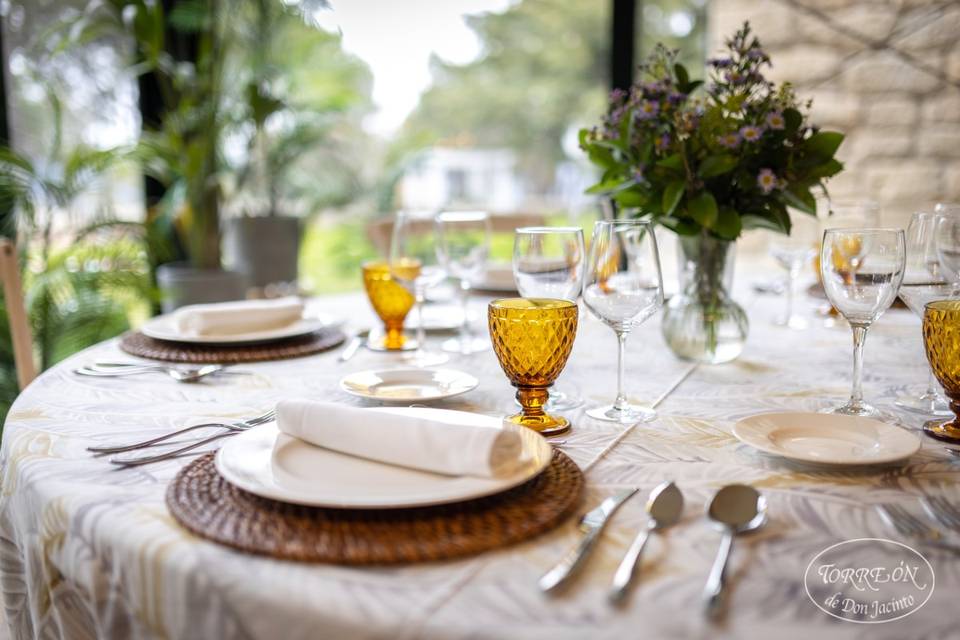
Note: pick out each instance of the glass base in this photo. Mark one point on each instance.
(797, 323)
(863, 410)
(925, 404)
(423, 359)
(944, 431)
(627, 415)
(544, 424)
(378, 342)
(465, 347)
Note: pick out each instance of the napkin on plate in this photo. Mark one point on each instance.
(233, 318)
(461, 448)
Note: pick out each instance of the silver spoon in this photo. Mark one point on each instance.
(736, 508)
(180, 375)
(664, 506)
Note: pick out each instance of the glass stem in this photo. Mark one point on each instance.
(791, 286)
(933, 388)
(421, 332)
(465, 335)
(859, 336)
(621, 402)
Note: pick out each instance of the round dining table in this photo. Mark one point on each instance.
(89, 550)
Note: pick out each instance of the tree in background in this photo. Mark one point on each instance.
(542, 72)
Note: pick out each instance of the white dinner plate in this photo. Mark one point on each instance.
(164, 328)
(498, 278)
(436, 317)
(827, 438)
(408, 385)
(274, 465)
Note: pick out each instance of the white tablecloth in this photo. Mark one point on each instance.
(87, 550)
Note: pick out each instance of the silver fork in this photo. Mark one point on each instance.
(906, 524)
(942, 511)
(231, 427)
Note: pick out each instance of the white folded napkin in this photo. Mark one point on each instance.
(459, 448)
(232, 318)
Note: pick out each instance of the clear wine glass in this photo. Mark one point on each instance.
(792, 252)
(548, 263)
(623, 287)
(464, 245)
(862, 270)
(415, 264)
(923, 282)
(948, 243)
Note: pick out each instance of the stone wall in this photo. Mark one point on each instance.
(884, 72)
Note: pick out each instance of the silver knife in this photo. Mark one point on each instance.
(592, 525)
(351, 349)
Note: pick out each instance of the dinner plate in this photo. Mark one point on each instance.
(827, 438)
(408, 385)
(436, 317)
(271, 464)
(164, 328)
(498, 278)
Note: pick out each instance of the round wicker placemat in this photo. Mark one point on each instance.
(137, 344)
(209, 506)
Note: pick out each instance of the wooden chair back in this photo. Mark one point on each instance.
(17, 313)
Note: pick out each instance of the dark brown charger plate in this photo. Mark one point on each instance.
(207, 505)
(137, 344)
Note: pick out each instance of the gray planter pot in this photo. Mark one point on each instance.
(264, 249)
(182, 284)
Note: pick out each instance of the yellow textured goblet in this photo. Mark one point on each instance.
(391, 301)
(941, 339)
(532, 338)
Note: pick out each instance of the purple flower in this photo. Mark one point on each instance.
(775, 120)
(734, 77)
(767, 180)
(638, 173)
(662, 142)
(756, 53)
(617, 95)
(676, 97)
(729, 140)
(647, 109)
(751, 133)
(720, 63)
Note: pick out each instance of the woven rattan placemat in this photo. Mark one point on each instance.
(137, 344)
(209, 506)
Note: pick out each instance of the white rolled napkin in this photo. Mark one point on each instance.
(233, 318)
(461, 448)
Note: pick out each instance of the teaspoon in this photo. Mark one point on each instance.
(736, 508)
(664, 506)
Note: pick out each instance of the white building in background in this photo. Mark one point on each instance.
(448, 177)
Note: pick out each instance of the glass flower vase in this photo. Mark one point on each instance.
(702, 322)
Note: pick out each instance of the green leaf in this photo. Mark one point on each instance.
(823, 144)
(672, 195)
(754, 221)
(682, 76)
(703, 209)
(679, 226)
(829, 168)
(799, 197)
(631, 198)
(792, 120)
(717, 165)
(728, 224)
(673, 161)
(612, 185)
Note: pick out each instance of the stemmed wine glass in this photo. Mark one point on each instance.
(623, 287)
(548, 263)
(948, 242)
(792, 252)
(415, 264)
(464, 244)
(923, 282)
(862, 270)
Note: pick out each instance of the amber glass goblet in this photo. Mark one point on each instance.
(941, 339)
(532, 338)
(392, 303)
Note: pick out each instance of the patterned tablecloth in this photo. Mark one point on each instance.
(87, 550)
